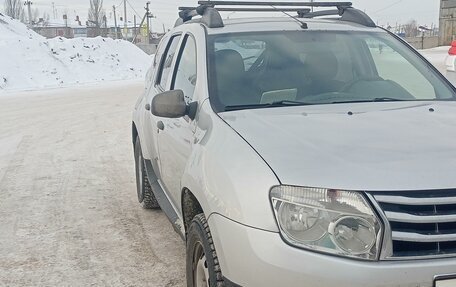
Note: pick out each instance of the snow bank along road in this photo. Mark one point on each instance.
(68, 209)
(30, 62)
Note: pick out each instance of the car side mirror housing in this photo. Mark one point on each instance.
(171, 104)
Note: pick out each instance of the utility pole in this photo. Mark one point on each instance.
(125, 19)
(29, 3)
(134, 25)
(115, 21)
(148, 21)
(104, 28)
(145, 19)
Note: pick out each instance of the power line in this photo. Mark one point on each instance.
(120, 3)
(137, 14)
(387, 7)
(131, 6)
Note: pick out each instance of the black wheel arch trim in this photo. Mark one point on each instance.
(134, 133)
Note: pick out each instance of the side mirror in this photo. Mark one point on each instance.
(171, 104)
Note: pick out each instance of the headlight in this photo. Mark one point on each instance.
(326, 220)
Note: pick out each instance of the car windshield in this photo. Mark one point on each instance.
(271, 69)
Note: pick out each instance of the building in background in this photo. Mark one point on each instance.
(75, 29)
(447, 22)
(55, 31)
(80, 32)
(60, 28)
(130, 31)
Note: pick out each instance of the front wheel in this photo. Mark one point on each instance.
(143, 188)
(203, 268)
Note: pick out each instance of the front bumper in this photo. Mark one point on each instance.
(253, 257)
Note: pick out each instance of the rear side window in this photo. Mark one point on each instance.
(160, 51)
(185, 74)
(167, 61)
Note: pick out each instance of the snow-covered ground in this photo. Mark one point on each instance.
(69, 214)
(437, 56)
(30, 62)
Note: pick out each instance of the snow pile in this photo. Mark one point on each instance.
(29, 61)
(436, 56)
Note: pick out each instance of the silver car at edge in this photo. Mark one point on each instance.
(299, 150)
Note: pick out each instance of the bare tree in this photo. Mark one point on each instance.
(96, 14)
(14, 9)
(35, 15)
(46, 19)
(411, 28)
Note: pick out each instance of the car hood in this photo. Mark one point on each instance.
(368, 146)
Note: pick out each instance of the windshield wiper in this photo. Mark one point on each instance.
(384, 99)
(284, 103)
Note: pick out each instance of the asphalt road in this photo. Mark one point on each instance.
(68, 209)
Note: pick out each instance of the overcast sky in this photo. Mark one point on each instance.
(384, 12)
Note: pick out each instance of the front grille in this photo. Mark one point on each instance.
(423, 223)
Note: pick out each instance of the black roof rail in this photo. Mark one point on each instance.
(277, 4)
(252, 9)
(209, 16)
(348, 14)
(212, 19)
(357, 16)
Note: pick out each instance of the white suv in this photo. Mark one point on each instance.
(299, 150)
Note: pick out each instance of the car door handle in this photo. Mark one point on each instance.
(160, 125)
(147, 107)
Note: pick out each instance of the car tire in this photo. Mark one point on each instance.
(203, 268)
(145, 194)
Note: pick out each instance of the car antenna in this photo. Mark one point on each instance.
(302, 24)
